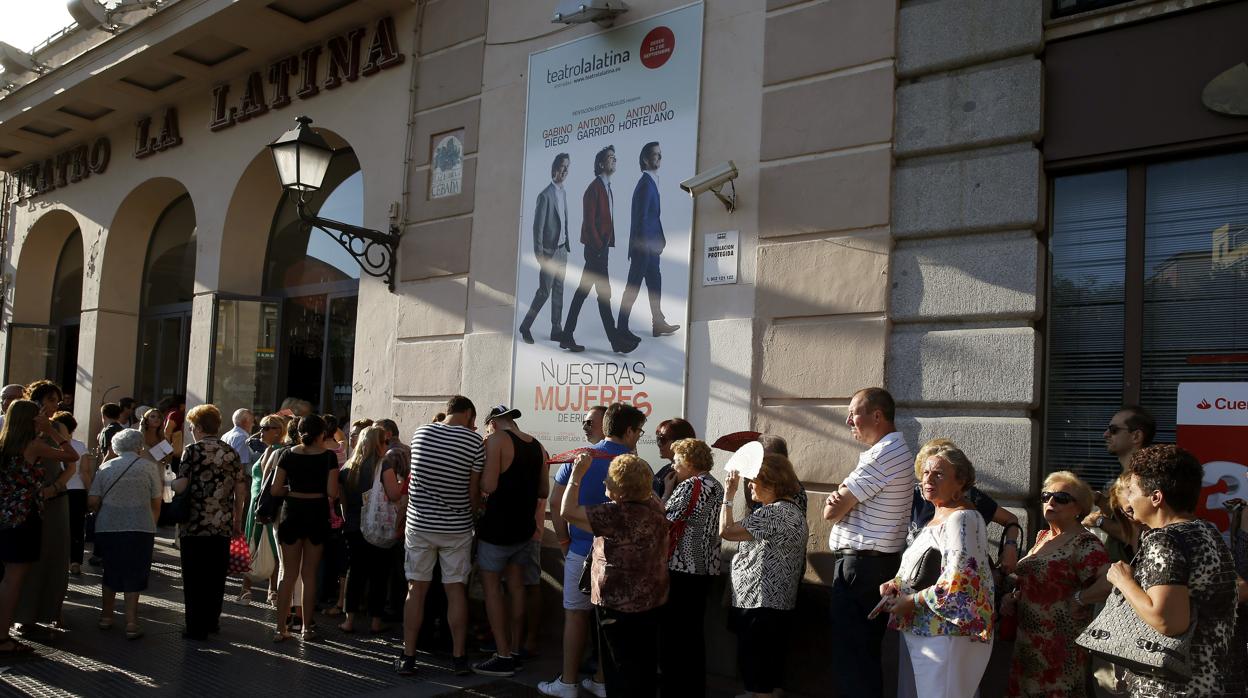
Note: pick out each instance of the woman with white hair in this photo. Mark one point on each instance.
(126, 496)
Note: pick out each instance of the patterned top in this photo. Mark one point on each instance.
(213, 470)
(766, 570)
(960, 602)
(1047, 661)
(1208, 572)
(629, 571)
(697, 551)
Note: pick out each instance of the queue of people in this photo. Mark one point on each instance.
(641, 545)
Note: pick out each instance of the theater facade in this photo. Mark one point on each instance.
(1015, 216)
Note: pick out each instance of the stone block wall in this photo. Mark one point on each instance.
(968, 199)
(431, 316)
(825, 177)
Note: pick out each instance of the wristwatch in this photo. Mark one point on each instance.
(1100, 521)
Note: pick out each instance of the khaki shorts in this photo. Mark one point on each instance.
(452, 550)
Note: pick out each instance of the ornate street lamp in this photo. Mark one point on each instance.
(302, 156)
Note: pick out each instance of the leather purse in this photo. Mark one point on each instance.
(1120, 636)
(926, 572)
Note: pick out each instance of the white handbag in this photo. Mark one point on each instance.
(263, 560)
(378, 515)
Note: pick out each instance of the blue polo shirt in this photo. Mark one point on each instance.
(593, 491)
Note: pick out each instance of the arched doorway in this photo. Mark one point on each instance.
(298, 338)
(47, 300)
(165, 304)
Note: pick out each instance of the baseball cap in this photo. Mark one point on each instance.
(502, 411)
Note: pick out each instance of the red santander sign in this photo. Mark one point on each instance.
(1212, 423)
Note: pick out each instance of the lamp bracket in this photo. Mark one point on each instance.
(374, 250)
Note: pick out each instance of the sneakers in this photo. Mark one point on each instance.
(598, 689)
(496, 666)
(558, 688)
(405, 665)
(460, 666)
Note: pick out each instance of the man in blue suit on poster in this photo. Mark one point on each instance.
(645, 246)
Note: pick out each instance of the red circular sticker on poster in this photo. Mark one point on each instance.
(657, 47)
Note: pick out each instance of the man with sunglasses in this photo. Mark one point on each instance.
(1131, 429)
(592, 424)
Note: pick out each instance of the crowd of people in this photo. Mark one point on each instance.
(330, 519)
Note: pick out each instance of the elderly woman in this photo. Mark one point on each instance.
(947, 623)
(218, 495)
(125, 496)
(628, 574)
(766, 570)
(1182, 566)
(23, 460)
(1058, 582)
(692, 498)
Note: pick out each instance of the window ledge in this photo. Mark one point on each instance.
(1115, 16)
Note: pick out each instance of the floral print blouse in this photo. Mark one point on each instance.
(960, 602)
(1047, 662)
(213, 470)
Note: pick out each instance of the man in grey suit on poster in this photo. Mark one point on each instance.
(550, 247)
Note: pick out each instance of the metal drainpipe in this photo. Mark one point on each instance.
(411, 115)
(5, 181)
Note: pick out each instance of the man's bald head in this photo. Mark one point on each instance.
(9, 394)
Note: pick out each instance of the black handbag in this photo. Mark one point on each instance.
(585, 583)
(926, 571)
(267, 505)
(177, 511)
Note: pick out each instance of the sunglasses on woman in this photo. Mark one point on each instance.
(1059, 497)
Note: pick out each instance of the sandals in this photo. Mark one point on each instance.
(333, 611)
(105, 624)
(281, 637)
(308, 634)
(133, 632)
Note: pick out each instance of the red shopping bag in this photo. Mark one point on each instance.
(240, 556)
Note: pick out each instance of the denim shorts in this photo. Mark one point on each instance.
(494, 558)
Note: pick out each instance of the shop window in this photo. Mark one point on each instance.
(165, 314)
(1149, 272)
(34, 352)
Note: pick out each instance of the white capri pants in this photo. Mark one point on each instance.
(946, 666)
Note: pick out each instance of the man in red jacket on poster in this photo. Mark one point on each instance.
(598, 237)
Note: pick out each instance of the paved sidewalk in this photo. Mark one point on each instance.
(85, 661)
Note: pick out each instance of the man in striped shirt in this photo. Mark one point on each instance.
(442, 490)
(869, 512)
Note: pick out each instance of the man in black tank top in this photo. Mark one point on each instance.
(516, 476)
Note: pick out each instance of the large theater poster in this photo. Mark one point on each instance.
(602, 280)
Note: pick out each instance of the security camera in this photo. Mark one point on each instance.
(713, 180)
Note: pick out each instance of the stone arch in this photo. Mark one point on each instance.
(249, 220)
(126, 241)
(35, 265)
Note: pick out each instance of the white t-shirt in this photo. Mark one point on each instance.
(883, 484)
(75, 482)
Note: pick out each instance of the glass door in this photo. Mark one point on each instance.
(30, 353)
(244, 355)
(164, 343)
(340, 355)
